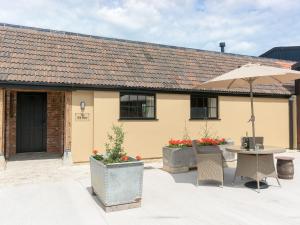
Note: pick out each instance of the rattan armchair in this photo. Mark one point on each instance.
(209, 163)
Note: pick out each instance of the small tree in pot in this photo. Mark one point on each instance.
(117, 178)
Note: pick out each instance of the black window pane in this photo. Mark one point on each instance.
(203, 107)
(142, 98)
(194, 102)
(199, 112)
(124, 98)
(150, 100)
(137, 106)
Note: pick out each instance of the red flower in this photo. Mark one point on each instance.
(124, 158)
(180, 143)
(211, 141)
(95, 152)
(138, 158)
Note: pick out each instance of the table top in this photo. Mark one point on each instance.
(266, 150)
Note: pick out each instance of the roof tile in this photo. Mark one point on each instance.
(36, 55)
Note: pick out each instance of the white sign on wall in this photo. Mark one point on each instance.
(82, 116)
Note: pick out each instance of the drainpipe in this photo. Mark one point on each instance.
(292, 123)
(297, 113)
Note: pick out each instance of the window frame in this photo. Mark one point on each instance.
(205, 96)
(137, 93)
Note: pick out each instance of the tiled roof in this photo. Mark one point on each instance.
(37, 56)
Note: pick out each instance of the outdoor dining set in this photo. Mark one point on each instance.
(256, 164)
(254, 161)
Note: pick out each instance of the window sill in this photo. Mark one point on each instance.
(205, 119)
(138, 119)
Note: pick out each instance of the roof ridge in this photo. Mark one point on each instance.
(134, 42)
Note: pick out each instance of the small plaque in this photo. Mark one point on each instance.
(82, 116)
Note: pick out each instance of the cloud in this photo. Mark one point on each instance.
(247, 26)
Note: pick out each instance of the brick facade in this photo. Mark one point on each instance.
(11, 119)
(55, 122)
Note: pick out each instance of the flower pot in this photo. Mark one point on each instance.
(118, 186)
(180, 160)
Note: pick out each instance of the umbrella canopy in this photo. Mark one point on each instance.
(249, 75)
(256, 73)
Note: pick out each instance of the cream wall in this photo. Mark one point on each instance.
(82, 131)
(146, 138)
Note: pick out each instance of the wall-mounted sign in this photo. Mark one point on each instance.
(82, 116)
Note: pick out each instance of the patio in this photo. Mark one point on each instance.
(60, 195)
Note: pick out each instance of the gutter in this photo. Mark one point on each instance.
(74, 87)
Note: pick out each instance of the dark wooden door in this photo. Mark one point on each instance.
(31, 122)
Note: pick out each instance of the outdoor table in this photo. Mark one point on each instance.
(256, 164)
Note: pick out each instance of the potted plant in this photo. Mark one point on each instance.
(179, 157)
(115, 177)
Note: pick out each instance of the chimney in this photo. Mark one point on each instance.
(222, 46)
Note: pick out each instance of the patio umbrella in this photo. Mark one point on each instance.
(249, 75)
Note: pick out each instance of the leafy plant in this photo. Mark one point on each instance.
(114, 148)
(206, 131)
(186, 135)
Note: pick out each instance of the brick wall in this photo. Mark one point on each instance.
(10, 116)
(55, 122)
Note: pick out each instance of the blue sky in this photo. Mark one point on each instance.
(247, 26)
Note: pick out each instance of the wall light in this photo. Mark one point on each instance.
(82, 105)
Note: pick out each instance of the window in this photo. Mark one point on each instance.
(204, 107)
(137, 106)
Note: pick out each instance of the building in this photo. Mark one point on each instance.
(287, 53)
(61, 92)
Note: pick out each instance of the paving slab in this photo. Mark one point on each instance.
(50, 193)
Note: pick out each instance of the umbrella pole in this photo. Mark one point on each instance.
(253, 132)
(252, 112)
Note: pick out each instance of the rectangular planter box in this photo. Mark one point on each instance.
(179, 160)
(117, 184)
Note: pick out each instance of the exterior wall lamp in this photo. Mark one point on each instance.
(82, 106)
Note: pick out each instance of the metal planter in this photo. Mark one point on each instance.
(118, 183)
(179, 160)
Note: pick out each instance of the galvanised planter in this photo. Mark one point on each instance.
(180, 160)
(118, 186)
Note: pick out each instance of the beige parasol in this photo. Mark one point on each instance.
(249, 75)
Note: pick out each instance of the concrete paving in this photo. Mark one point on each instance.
(61, 195)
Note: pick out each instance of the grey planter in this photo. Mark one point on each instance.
(117, 184)
(179, 160)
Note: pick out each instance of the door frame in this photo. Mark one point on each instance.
(44, 125)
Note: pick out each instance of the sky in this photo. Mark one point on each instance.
(248, 27)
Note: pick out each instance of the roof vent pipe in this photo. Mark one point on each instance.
(222, 46)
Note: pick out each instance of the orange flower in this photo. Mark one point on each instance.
(95, 152)
(124, 158)
(138, 158)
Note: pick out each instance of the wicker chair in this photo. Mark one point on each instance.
(209, 163)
